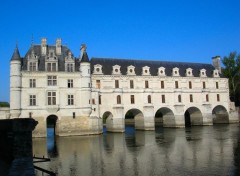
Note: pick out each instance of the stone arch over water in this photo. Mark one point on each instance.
(164, 117)
(220, 115)
(51, 124)
(107, 120)
(135, 117)
(193, 116)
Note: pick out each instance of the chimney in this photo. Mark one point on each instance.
(59, 46)
(216, 61)
(44, 46)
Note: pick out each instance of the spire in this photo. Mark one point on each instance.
(16, 55)
(84, 56)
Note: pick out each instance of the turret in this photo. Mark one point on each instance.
(86, 81)
(15, 84)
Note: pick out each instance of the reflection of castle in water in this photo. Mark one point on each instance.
(166, 151)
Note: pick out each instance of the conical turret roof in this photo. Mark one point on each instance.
(85, 57)
(16, 55)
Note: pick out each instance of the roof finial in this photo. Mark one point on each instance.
(32, 40)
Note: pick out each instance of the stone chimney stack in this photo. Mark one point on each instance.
(44, 46)
(59, 46)
(216, 61)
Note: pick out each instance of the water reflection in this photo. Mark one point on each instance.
(212, 150)
(51, 143)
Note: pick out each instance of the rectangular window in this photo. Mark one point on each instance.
(116, 83)
(51, 98)
(93, 101)
(207, 98)
(52, 80)
(216, 85)
(98, 84)
(176, 84)
(70, 83)
(69, 67)
(131, 84)
(32, 100)
(32, 83)
(191, 98)
(190, 85)
(51, 67)
(179, 98)
(70, 100)
(100, 99)
(163, 98)
(162, 84)
(132, 99)
(32, 66)
(146, 84)
(204, 85)
(218, 97)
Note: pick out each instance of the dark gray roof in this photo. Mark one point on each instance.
(85, 57)
(107, 64)
(16, 55)
(41, 59)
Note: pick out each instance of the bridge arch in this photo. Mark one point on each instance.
(220, 115)
(51, 124)
(135, 117)
(193, 116)
(107, 120)
(164, 117)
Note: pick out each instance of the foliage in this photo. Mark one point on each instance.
(4, 104)
(232, 71)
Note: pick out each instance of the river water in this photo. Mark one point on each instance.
(208, 150)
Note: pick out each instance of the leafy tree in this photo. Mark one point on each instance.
(4, 104)
(232, 71)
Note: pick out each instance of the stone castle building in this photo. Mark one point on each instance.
(78, 93)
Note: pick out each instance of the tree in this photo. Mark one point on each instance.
(232, 72)
(4, 104)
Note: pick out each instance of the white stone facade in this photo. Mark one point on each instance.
(50, 82)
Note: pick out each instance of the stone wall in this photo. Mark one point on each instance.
(4, 112)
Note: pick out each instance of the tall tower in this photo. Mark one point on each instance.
(86, 82)
(15, 84)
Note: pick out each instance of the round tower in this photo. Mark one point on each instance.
(15, 84)
(86, 101)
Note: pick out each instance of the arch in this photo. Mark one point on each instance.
(107, 120)
(164, 117)
(193, 116)
(220, 115)
(51, 123)
(134, 117)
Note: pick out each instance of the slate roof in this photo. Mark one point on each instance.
(41, 59)
(16, 55)
(107, 64)
(85, 57)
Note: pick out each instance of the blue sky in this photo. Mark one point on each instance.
(187, 30)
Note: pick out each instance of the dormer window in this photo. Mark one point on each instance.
(215, 73)
(116, 70)
(203, 73)
(97, 69)
(146, 70)
(189, 72)
(51, 64)
(161, 71)
(32, 61)
(69, 63)
(131, 70)
(175, 71)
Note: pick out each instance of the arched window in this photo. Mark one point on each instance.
(149, 99)
(118, 99)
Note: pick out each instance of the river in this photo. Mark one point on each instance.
(202, 150)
